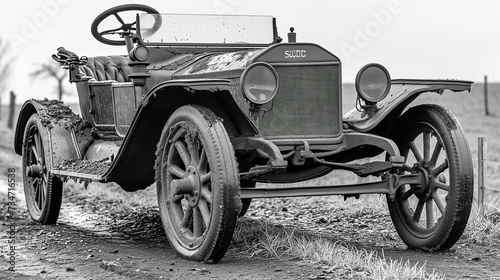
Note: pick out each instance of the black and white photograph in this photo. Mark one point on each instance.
(238, 139)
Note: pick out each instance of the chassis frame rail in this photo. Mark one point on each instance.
(388, 185)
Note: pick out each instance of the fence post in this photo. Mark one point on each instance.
(487, 112)
(480, 174)
(12, 109)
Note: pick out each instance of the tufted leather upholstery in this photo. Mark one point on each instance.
(104, 68)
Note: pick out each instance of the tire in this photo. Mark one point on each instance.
(433, 143)
(197, 184)
(42, 190)
(246, 202)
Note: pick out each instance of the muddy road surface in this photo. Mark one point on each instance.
(95, 239)
(70, 250)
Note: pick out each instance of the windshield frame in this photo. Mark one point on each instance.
(276, 39)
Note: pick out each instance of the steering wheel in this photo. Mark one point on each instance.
(125, 27)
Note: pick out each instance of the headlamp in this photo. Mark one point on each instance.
(259, 83)
(373, 83)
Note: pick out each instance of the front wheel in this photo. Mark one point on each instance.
(197, 184)
(432, 216)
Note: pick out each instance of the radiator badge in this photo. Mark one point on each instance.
(295, 53)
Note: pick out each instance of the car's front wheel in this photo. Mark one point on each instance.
(432, 215)
(197, 184)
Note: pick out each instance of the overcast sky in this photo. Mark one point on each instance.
(413, 39)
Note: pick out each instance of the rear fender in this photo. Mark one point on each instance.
(133, 168)
(402, 93)
(59, 124)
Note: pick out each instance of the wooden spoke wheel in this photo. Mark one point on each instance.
(197, 184)
(433, 215)
(43, 191)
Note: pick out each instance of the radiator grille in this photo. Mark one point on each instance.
(307, 103)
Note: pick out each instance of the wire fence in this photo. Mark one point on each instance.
(482, 163)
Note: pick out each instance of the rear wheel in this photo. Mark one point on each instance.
(432, 216)
(43, 192)
(197, 184)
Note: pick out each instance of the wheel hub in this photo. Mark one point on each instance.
(34, 170)
(424, 190)
(189, 186)
(194, 196)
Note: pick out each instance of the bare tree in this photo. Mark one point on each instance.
(52, 70)
(5, 64)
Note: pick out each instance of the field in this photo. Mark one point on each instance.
(328, 237)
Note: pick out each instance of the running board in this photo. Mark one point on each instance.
(82, 170)
(388, 185)
(76, 175)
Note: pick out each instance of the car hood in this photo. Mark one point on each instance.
(218, 62)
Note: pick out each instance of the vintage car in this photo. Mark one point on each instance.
(207, 106)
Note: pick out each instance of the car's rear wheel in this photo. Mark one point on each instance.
(197, 184)
(42, 190)
(433, 215)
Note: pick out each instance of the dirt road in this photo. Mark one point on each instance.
(93, 240)
(68, 251)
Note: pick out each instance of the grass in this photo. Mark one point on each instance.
(484, 229)
(269, 239)
(332, 257)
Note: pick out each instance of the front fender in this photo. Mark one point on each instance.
(402, 93)
(29, 108)
(133, 168)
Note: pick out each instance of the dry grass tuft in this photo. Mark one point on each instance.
(484, 230)
(335, 258)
